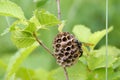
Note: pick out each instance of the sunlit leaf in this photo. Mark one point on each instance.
(31, 28)
(46, 19)
(117, 64)
(98, 59)
(3, 65)
(36, 22)
(82, 33)
(18, 25)
(97, 36)
(40, 74)
(8, 8)
(25, 73)
(22, 38)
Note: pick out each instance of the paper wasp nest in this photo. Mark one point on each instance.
(67, 49)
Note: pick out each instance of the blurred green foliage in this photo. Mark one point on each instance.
(87, 12)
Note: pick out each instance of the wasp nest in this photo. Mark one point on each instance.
(67, 49)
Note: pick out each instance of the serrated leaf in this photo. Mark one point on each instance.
(8, 8)
(46, 19)
(31, 28)
(17, 59)
(98, 59)
(82, 33)
(21, 25)
(97, 36)
(35, 21)
(22, 38)
(76, 72)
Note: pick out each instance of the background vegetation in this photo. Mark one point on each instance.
(90, 13)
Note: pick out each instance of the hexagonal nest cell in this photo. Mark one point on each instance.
(67, 49)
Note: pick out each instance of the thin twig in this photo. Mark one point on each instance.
(59, 17)
(42, 44)
(58, 8)
(66, 73)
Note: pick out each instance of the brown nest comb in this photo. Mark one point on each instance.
(67, 49)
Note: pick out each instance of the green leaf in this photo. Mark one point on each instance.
(97, 36)
(22, 38)
(98, 59)
(99, 74)
(82, 33)
(8, 8)
(40, 2)
(31, 74)
(25, 73)
(35, 21)
(46, 19)
(3, 65)
(21, 25)
(40, 74)
(76, 72)
(116, 75)
(31, 28)
(117, 64)
(5, 31)
(17, 59)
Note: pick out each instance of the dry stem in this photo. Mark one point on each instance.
(59, 17)
(66, 73)
(58, 8)
(42, 44)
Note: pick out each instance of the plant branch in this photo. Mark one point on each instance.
(42, 44)
(58, 8)
(66, 73)
(59, 17)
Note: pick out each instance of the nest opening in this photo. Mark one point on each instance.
(66, 54)
(68, 48)
(64, 39)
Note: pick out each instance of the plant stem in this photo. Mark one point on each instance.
(58, 8)
(59, 17)
(42, 44)
(66, 73)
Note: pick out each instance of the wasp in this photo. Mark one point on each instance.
(79, 44)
